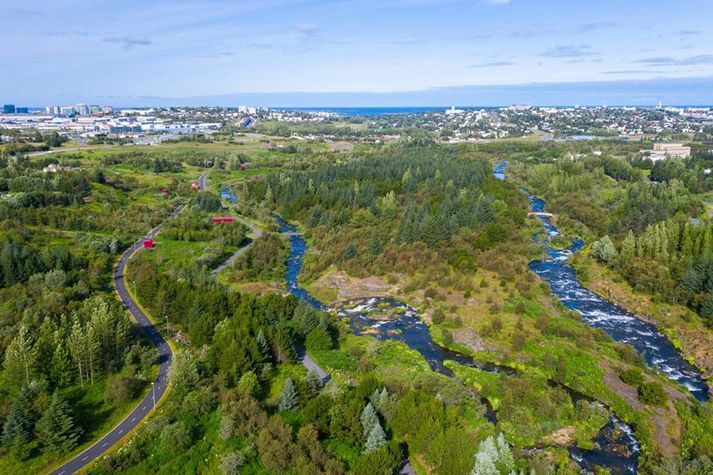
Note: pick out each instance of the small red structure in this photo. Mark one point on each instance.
(148, 243)
(165, 192)
(222, 219)
(195, 185)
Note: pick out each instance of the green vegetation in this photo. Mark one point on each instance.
(426, 224)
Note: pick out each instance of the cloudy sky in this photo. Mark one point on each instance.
(128, 51)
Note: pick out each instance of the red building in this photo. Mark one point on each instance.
(222, 219)
(148, 243)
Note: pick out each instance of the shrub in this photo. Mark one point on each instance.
(632, 377)
(120, 389)
(653, 394)
(319, 339)
(438, 316)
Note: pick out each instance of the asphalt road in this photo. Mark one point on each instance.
(159, 386)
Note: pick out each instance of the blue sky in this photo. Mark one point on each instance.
(160, 51)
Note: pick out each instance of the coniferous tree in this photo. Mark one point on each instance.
(485, 458)
(628, 246)
(376, 438)
(92, 349)
(17, 430)
(314, 383)
(57, 429)
(61, 363)
(375, 247)
(288, 396)
(77, 350)
(369, 419)
(379, 399)
(20, 358)
(262, 344)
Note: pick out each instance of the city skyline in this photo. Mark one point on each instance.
(357, 52)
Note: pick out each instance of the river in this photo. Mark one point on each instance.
(616, 448)
(619, 324)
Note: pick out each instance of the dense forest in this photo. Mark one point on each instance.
(399, 211)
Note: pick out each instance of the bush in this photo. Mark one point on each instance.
(632, 377)
(653, 394)
(384, 460)
(319, 339)
(120, 389)
(438, 316)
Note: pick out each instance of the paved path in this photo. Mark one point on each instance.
(255, 233)
(143, 409)
(311, 365)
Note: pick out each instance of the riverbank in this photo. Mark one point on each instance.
(681, 325)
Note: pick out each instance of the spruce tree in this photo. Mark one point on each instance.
(485, 458)
(506, 461)
(17, 430)
(56, 429)
(263, 345)
(376, 438)
(375, 247)
(369, 419)
(314, 383)
(289, 396)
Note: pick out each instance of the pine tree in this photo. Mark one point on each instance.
(494, 457)
(375, 247)
(314, 383)
(77, 350)
(375, 399)
(20, 358)
(383, 400)
(506, 462)
(61, 363)
(56, 429)
(102, 325)
(289, 396)
(628, 246)
(263, 345)
(369, 419)
(376, 438)
(17, 430)
(485, 458)
(121, 336)
(113, 247)
(92, 349)
(707, 306)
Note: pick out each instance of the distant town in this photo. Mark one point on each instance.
(83, 123)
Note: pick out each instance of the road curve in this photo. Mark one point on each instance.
(160, 384)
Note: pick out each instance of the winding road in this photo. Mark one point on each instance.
(159, 386)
